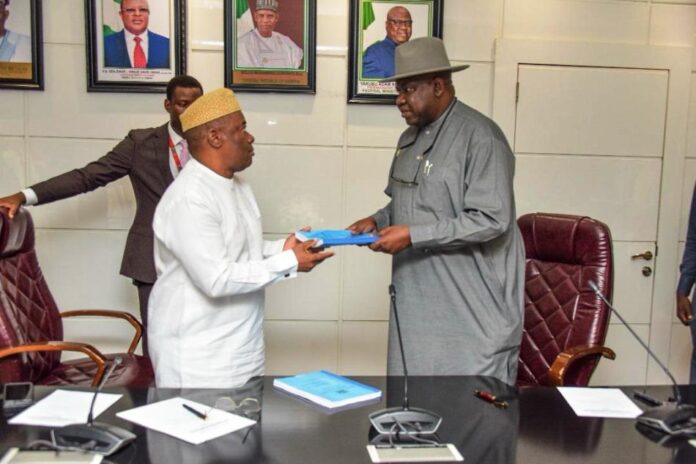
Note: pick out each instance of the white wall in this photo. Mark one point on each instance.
(319, 161)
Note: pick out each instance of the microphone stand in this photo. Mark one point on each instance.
(673, 418)
(404, 420)
(95, 437)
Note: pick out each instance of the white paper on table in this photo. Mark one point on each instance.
(600, 402)
(171, 418)
(64, 407)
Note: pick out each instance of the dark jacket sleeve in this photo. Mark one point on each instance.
(110, 167)
(688, 265)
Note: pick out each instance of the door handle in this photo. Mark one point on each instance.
(646, 255)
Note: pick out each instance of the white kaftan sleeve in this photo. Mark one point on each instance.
(193, 235)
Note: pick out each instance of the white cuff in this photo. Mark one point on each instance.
(30, 197)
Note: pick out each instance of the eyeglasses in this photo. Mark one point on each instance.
(400, 22)
(422, 157)
(246, 407)
(413, 182)
(132, 11)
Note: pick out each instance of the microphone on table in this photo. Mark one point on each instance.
(404, 420)
(673, 418)
(95, 437)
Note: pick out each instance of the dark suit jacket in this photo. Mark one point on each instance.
(143, 156)
(116, 52)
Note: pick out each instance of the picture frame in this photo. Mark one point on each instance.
(371, 28)
(21, 49)
(113, 27)
(270, 49)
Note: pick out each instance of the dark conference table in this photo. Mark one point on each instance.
(537, 427)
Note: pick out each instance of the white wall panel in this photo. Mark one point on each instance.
(680, 353)
(206, 26)
(604, 188)
(363, 348)
(208, 67)
(296, 186)
(366, 174)
(12, 122)
(332, 27)
(64, 21)
(470, 28)
(605, 21)
(293, 347)
(81, 268)
(691, 127)
(301, 119)
(12, 163)
(65, 109)
(110, 207)
(623, 109)
(366, 278)
(309, 296)
(674, 24)
(630, 364)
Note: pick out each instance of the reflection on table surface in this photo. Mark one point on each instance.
(537, 427)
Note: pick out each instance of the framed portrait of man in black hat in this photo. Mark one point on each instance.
(377, 28)
(270, 45)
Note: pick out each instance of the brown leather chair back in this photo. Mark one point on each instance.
(28, 312)
(563, 253)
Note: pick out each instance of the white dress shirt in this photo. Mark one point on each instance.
(206, 308)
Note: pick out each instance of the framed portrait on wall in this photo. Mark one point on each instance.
(270, 45)
(134, 45)
(21, 52)
(377, 28)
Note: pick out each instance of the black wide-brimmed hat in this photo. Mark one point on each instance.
(423, 55)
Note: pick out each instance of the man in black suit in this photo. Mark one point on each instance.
(151, 158)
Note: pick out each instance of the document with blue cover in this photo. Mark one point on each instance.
(335, 237)
(327, 389)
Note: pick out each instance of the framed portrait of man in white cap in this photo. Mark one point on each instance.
(135, 45)
(270, 45)
(21, 54)
(377, 28)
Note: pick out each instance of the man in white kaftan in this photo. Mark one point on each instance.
(262, 47)
(206, 308)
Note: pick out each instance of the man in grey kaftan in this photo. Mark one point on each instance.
(458, 266)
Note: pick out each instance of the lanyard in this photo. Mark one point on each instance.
(177, 160)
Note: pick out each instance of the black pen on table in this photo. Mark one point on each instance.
(194, 411)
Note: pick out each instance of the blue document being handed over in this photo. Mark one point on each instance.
(327, 389)
(333, 237)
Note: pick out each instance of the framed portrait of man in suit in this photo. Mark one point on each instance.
(270, 45)
(377, 28)
(134, 45)
(21, 53)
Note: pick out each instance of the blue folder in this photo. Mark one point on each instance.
(335, 237)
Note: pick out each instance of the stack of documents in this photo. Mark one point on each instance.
(172, 418)
(327, 389)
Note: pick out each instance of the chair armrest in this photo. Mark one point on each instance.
(84, 348)
(565, 358)
(110, 313)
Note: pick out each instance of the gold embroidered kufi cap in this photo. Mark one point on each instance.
(209, 107)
